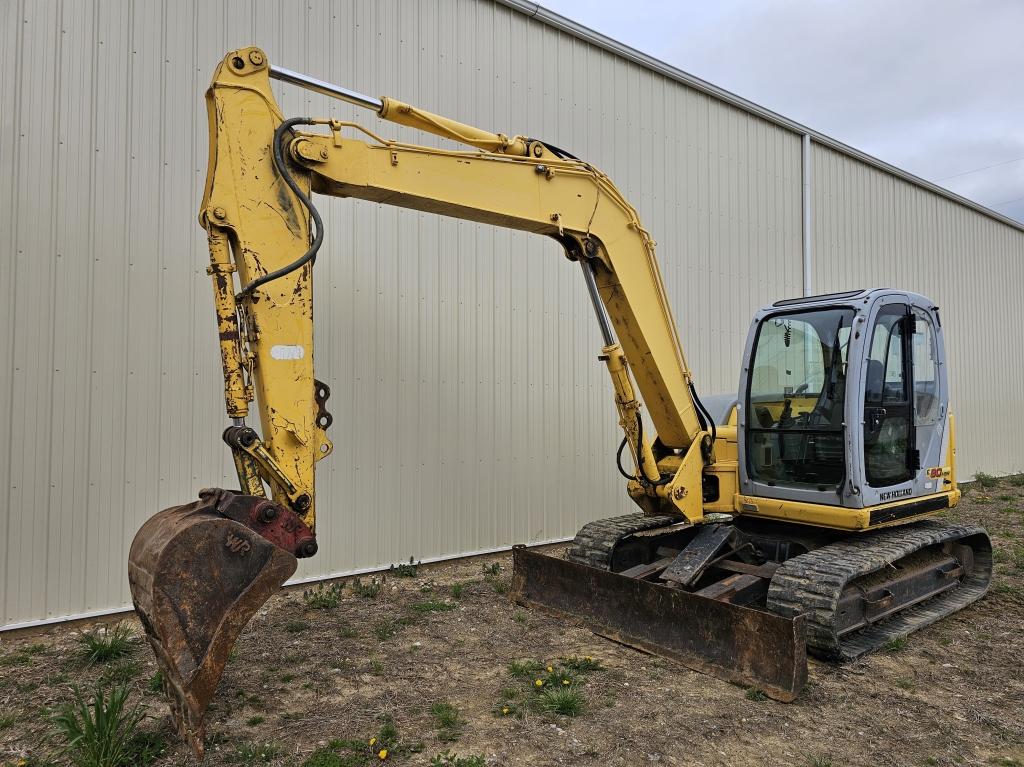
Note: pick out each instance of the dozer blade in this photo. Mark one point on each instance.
(197, 574)
(742, 645)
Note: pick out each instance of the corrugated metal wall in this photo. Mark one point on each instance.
(871, 228)
(470, 412)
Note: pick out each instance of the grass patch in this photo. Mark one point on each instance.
(104, 732)
(106, 644)
(561, 700)
(500, 585)
(1017, 480)
(346, 631)
(254, 721)
(524, 669)
(1009, 555)
(432, 606)
(15, 659)
(458, 589)
(448, 721)
(326, 757)
(156, 682)
(296, 627)
(323, 596)
(581, 665)
(369, 590)
(7, 720)
(406, 570)
(123, 671)
(386, 628)
(351, 752)
(1007, 589)
(819, 761)
(895, 644)
(448, 759)
(905, 683)
(256, 753)
(755, 694)
(492, 569)
(981, 479)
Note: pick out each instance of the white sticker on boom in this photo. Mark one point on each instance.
(285, 352)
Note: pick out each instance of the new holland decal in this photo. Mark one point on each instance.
(895, 494)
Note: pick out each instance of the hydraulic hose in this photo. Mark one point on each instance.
(318, 237)
(639, 476)
(703, 413)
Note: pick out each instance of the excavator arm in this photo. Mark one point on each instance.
(199, 572)
(257, 213)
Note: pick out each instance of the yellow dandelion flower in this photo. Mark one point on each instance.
(382, 754)
(550, 669)
(565, 681)
(538, 682)
(372, 741)
(504, 710)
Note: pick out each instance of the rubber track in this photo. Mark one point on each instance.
(812, 584)
(595, 542)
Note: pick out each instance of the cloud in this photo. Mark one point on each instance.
(927, 85)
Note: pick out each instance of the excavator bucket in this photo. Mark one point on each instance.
(198, 573)
(740, 644)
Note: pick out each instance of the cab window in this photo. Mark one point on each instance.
(796, 398)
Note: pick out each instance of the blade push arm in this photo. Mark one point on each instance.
(516, 183)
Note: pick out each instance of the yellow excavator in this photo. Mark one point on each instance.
(791, 516)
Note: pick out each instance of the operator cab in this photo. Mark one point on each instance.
(844, 400)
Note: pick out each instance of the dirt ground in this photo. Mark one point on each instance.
(305, 679)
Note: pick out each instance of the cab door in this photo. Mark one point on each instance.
(890, 450)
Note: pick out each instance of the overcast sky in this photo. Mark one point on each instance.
(933, 86)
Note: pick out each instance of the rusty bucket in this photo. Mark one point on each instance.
(198, 573)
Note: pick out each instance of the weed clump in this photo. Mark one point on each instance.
(323, 596)
(407, 570)
(367, 590)
(448, 721)
(296, 627)
(432, 606)
(981, 479)
(895, 644)
(104, 732)
(522, 669)
(255, 753)
(106, 644)
(553, 688)
(561, 700)
(352, 752)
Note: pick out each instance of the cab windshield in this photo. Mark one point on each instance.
(796, 396)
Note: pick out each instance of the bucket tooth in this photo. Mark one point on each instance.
(197, 578)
